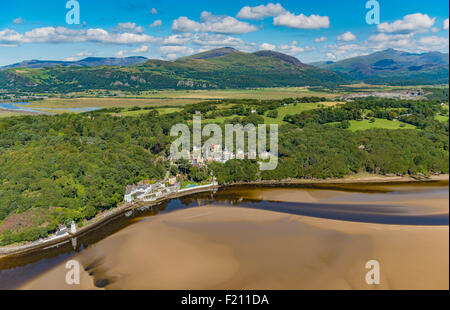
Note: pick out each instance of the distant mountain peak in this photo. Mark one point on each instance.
(224, 51)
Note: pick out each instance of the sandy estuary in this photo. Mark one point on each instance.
(297, 237)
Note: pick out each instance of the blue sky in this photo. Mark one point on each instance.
(167, 29)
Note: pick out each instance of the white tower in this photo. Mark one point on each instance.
(73, 228)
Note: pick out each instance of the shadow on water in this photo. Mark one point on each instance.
(15, 270)
(377, 214)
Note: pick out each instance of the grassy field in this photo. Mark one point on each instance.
(260, 93)
(291, 110)
(170, 98)
(255, 93)
(282, 112)
(7, 114)
(176, 99)
(379, 123)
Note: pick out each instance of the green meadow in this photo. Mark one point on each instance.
(442, 118)
(379, 123)
(282, 112)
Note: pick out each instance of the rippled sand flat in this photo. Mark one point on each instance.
(236, 248)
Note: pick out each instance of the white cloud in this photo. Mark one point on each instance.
(267, 47)
(434, 43)
(445, 25)
(171, 56)
(346, 37)
(261, 11)
(121, 53)
(50, 35)
(331, 56)
(82, 55)
(384, 41)
(414, 23)
(8, 36)
(381, 37)
(176, 50)
(154, 11)
(78, 56)
(177, 39)
(294, 49)
(64, 35)
(102, 36)
(142, 49)
(18, 21)
(128, 27)
(156, 23)
(321, 39)
(216, 40)
(71, 58)
(12, 38)
(345, 50)
(301, 21)
(213, 23)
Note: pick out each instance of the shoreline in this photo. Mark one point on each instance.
(374, 179)
(104, 218)
(21, 112)
(227, 248)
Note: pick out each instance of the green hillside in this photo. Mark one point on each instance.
(222, 68)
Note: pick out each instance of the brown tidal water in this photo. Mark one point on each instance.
(210, 222)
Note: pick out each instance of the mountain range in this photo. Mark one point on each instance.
(224, 68)
(220, 68)
(86, 62)
(393, 67)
